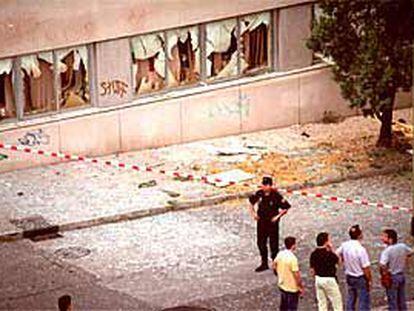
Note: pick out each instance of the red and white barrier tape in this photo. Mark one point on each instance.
(203, 179)
(114, 163)
(345, 200)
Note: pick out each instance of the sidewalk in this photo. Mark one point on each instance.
(74, 195)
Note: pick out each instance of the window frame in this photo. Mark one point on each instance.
(202, 36)
(13, 81)
(18, 86)
(131, 66)
(199, 82)
(212, 80)
(204, 80)
(270, 50)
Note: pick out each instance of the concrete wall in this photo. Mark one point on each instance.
(62, 23)
(113, 71)
(259, 105)
(152, 125)
(294, 29)
(269, 104)
(47, 139)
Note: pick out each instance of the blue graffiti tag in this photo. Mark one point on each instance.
(35, 138)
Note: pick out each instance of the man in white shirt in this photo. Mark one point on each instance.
(357, 270)
(392, 261)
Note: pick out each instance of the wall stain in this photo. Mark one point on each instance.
(231, 109)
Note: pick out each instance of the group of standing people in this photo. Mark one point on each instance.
(324, 260)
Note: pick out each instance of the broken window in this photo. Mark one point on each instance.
(38, 85)
(255, 41)
(221, 46)
(74, 77)
(148, 60)
(183, 56)
(7, 103)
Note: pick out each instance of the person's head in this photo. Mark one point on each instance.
(290, 243)
(267, 183)
(322, 239)
(389, 236)
(355, 232)
(65, 303)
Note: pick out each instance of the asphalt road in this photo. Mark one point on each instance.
(203, 257)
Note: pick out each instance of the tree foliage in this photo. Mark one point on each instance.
(370, 43)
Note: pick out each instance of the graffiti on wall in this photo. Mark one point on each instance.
(231, 109)
(114, 87)
(35, 138)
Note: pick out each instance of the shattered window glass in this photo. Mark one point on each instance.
(74, 77)
(183, 57)
(7, 103)
(255, 41)
(38, 83)
(148, 60)
(221, 46)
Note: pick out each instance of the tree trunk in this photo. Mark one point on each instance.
(385, 137)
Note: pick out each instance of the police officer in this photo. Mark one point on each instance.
(267, 216)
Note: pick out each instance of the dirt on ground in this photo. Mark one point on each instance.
(326, 150)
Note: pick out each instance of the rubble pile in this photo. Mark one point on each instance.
(319, 157)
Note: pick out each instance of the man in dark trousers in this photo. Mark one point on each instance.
(269, 202)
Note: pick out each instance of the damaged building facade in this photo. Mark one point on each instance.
(122, 75)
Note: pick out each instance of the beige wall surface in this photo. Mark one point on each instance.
(267, 104)
(113, 64)
(294, 29)
(151, 125)
(91, 135)
(34, 25)
(211, 114)
(319, 93)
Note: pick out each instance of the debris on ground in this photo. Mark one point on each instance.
(402, 127)
(332, 117)
(147, 184)
(196, 167)
(327, 156)
(257, 146)
(232, 151)
(402, 135)
(172, 194)
(3, 156)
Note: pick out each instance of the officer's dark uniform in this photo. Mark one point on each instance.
(269, 205)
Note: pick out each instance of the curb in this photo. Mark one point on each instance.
(77, 225)
(175, 205)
